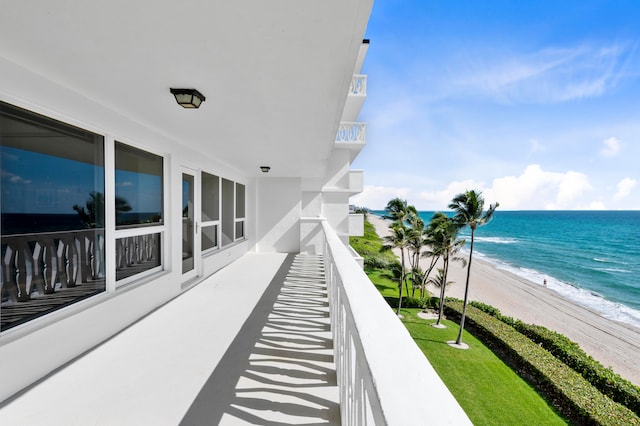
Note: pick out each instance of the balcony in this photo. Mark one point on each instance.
(351, 133)
(355, 99)
(304, 339)
(356, 181)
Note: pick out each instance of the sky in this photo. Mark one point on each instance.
(534, 103)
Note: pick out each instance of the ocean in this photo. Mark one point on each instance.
(589, 257)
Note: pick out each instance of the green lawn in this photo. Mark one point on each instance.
(489, 391)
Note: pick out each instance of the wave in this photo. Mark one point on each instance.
(597, 259)
(587, 298)
(496, 240)
(622, 271)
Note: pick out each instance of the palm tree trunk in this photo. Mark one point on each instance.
(442, 289)
(401, 281)
(466, 291)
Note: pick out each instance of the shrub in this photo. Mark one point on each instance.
(569, 352)
(567, 390)
(407, 302)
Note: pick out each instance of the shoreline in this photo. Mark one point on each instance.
(614, 344)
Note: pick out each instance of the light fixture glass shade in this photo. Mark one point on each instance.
(188, 98)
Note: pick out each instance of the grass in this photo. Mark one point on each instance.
(488, 390)
(370, 246)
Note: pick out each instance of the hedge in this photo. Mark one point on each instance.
(565, 389)
(569, 352)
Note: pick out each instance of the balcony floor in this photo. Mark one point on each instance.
(249, 345)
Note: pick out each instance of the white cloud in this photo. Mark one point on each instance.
(377, 197)
(15, 178)
(440, 199)
(536, 188)
(611, 147)
(625, 186)
(536, 146)
(549, 75)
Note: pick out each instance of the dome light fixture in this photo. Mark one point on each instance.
(265, 169)
(188, 98)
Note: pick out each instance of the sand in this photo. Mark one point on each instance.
(614, 344)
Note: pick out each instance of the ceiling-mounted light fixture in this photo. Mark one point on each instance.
(188, 98)
(265, 169)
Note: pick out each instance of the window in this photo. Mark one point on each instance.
(240, 214)
(138, 206)
(52, 206)
(210, 211)
(228, 205)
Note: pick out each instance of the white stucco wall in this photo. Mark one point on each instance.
(335, 208)
(278, 213)
(32, 350)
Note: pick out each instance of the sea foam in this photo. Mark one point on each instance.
(586, 298)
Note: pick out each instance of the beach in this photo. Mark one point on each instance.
(614, 344)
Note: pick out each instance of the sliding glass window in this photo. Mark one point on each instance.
(52, 206)
(138, 208)
(227, 212)
(210, 211)
(240, 211)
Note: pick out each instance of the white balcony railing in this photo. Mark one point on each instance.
(371, 350)
(351, 132)
(358, 85)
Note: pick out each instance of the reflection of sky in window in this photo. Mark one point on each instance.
(40, 183)
(142, 191)
(185, 193)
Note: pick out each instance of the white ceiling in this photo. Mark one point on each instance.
(275, 72)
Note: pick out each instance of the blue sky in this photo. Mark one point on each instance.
(535, 103)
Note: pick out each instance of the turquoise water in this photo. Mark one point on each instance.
(590, 257)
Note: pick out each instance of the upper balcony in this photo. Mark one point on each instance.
(351, 136)
(305, 339)
(355, 99)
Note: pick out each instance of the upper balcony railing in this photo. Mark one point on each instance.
(369, 343)
(358, 85)
(350, 132)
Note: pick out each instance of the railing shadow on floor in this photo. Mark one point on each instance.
(279, 368)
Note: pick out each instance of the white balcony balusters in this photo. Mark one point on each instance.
(358, 85)
(371, 348)
(350, 132)
(44, 261)
(42, 272)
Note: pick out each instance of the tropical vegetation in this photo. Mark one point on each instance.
(569, 391)
(468, 208)
(570, 380)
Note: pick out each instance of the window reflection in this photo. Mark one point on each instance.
(138, 186)
(52, 206)
(138, 203)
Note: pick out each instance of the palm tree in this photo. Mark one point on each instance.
(398, 210)
(445, 243)
(440, 281)
(402, 214)
(416, 243)
(433, 251)
(400, 238)
(468, 210)
(93, 215)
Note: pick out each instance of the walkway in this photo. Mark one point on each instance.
(249, 345)
(287, 375)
